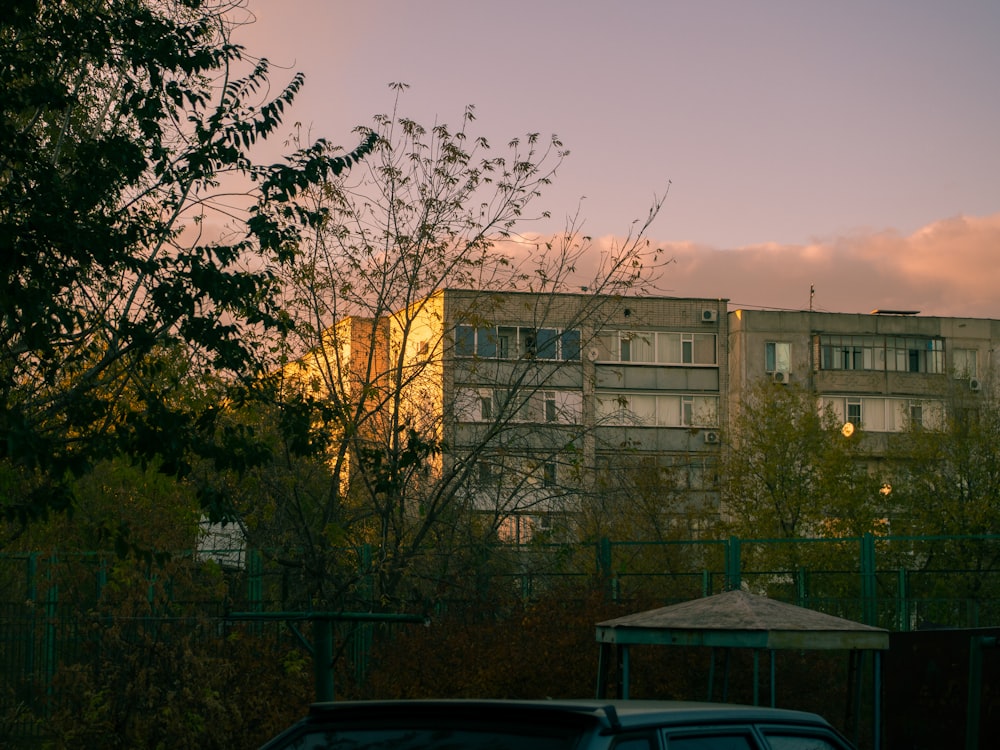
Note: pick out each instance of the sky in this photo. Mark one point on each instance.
(851, 147)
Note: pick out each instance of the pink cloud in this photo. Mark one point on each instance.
(948, 268)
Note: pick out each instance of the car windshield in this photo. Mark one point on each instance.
(390, 738)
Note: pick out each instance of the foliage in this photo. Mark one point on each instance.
(947, 483)
(364, 458)
(121, 507)
(546, 649)
(469, 656)
(151, 671)
(790, 472)
(151, 636)
(121, 121)
(948, 480)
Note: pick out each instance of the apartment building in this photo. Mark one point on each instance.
(547, 399)
(547, 402)
(882, 371)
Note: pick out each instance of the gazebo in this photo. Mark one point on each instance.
(737, 619)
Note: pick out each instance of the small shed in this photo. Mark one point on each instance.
(737, 619)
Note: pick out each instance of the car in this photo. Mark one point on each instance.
(555, 725)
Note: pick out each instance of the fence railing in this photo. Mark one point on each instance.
(50, 605)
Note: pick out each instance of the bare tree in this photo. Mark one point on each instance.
(416, 286)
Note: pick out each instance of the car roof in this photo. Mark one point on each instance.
(611, 715)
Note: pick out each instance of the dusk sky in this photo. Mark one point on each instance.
(852, 146)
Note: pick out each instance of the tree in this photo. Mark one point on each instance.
(790, 472)
(659, 516)
(120, 122)
(433, 222)
(947, 487)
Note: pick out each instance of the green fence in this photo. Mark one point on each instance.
(54, 608)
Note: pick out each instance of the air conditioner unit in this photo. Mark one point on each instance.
(781, 376)
(974, 384)
(709, 316)
(711, 437)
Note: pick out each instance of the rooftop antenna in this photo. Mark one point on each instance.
(812, 293)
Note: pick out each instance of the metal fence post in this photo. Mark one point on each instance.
(49, 642)
(903, 601)
(868, 580)
(31, 579)
(604, 567)
(255, 585)
(733, 574)
(323, 658)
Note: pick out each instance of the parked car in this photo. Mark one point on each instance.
(555, 725)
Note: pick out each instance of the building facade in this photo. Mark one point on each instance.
(547, 404)
(551, 399)
(883, 372)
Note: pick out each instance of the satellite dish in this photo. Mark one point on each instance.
(848, 429)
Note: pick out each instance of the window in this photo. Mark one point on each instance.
(506, 343)
(529, 342)
(854, 411)
(490, 404)
(777, 356)
(657, 410)
(636, 346)
(668, 349)
(665, 348)
(687, 348)
(711, 742)
(486, 474)
(512, 342)
(966, 363)
(701, 475)
(486, 405)
(886, 414)
(465, 341)
(547, 343)
(549, 474)
(643, 408)
(634, 743)
(549, 400)
(800, 742)
(569, 342)
(892, 353)
(687, 410)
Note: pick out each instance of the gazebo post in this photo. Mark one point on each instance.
(877, 700)
(773, 698)
(711, 675)
(624, 662)
(856, 671)
(756, 676)
(725, 675)
(603, 666)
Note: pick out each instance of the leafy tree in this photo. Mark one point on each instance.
(431, 210)
(948, 480)
(122, 121)
(947, 485)
(789, 472)
(657, 518)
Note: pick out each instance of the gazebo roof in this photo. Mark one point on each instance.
(738, 619)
